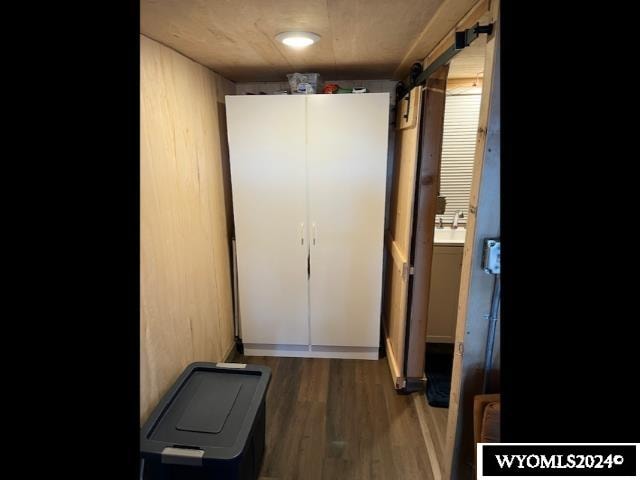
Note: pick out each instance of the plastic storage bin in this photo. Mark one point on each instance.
(210, 425)
(304, 83)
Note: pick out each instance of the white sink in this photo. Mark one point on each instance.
(449, 236)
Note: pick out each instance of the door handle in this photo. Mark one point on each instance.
(314, 228)
(408, 100)
(302, 234)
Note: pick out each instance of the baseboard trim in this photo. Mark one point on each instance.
(313, 351)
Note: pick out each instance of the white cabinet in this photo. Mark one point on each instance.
(308, 177)
(267, 150)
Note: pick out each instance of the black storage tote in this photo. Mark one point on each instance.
(210, 425)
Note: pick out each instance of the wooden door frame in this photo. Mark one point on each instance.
(476, 286)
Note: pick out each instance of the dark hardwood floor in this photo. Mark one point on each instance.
(339, 420)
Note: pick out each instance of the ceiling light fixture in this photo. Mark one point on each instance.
(298, 39)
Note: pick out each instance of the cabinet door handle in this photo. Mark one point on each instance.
(315, 232)
(302, 234)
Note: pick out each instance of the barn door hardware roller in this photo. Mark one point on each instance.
(463, 39)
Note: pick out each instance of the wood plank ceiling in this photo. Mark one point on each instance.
(360, 38)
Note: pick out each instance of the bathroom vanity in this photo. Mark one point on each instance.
(445, 283)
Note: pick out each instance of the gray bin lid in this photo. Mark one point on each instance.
(207, 415)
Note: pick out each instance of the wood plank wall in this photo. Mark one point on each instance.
(185, 274)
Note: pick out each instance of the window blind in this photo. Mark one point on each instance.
(461, 116)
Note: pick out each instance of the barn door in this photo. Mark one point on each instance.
(400, 230)
(409, 238)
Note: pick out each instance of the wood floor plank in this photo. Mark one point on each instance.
(315, 380)
(334, 419)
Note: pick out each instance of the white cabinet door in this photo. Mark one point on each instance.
(268, 178)
(347, 164)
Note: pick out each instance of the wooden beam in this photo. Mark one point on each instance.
(427, 194)
(475, 285)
